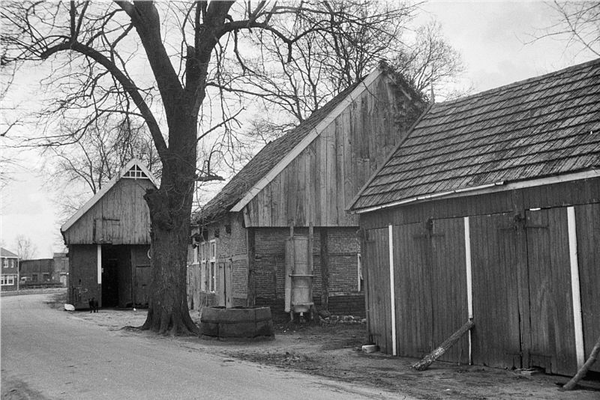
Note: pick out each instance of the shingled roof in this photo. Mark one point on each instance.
(273, 153)
(541, 127)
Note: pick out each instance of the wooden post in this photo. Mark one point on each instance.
(251, 238)
(584, 369)
(324, 269)
(437, 353)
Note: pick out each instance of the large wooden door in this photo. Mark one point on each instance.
(430, 280)
(522, 297)
(551, 299)
(588, 239)
(498, 257)
(376, 268)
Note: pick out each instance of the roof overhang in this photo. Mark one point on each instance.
(486, 189)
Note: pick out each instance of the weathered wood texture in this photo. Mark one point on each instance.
(551, 305)
(497, 256)
(588, 238)
(319, 183)
(521, 283)
(121, 216)
(580, 192)
(431, 300)
(377, 283)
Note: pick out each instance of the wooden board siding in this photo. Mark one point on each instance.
(449, 286)
(376, 269)
(431, 293)
(120, 217)
(319, 183)
(588, 238)
(413, 291)
(497, 256)
(557, 195)
(552, 331)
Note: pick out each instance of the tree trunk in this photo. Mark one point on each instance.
(170, 212)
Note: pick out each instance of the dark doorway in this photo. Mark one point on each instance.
(116, 276)
(110, 282)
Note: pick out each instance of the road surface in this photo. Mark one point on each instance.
(59, 356)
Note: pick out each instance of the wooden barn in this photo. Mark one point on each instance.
(109, 243)
(490, 210)
(305, 180)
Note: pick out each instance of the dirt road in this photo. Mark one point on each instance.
(49, 354)
(333, 351)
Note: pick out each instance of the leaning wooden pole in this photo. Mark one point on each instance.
(584, 368)
(437, 353)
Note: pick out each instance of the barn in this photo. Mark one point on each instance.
(109, 243)
(490, 211)
(298, 186)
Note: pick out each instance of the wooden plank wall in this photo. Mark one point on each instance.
(588, 238)
(551, 305)
(522, 287)
(377, 283)
(497, 255)
(120, 217)
(319, 183)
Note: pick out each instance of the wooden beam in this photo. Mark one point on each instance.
(437, 353)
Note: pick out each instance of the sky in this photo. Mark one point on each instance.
(495, 40)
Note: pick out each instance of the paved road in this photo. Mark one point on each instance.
(63, 357)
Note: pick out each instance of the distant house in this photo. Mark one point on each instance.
(303, 180)
(45, 270)
(490, 210)
(109, 243)
(37, 271)
(10, 269)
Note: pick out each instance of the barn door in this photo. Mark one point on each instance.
(522, 298)
(375, 260)
(498, 256)
(588, 239)
(551, 303)
(431, 293)
(224, 287)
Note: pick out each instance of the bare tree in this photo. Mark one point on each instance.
(161, 63)
(99, 155)
(577, 22)
(26, 249)
(430, 63)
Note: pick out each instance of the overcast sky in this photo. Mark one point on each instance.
(495, 39)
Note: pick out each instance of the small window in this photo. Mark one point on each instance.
(212, 265)
(5, 263)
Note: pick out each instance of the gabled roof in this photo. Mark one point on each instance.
(276, 155)
(542, 127)
(7, 254)
(133, 170)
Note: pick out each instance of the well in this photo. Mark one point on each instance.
(238, 322)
